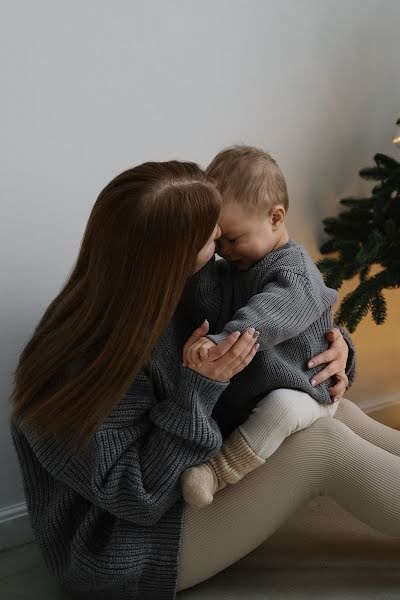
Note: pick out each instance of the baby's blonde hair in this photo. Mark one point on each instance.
(249, 176)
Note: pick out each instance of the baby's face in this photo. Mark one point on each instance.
(245, 238)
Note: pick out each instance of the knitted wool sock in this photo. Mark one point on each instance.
(230, 465)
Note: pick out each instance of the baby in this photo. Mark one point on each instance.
(269, 282)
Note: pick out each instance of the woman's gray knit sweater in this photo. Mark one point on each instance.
(109, 524)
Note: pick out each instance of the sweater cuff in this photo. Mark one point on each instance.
(218, 337)
(195, 388)
(187, 412)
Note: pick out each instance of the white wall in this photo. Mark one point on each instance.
(90, 88)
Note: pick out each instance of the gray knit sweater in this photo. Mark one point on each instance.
(285, 298)
(109, 524)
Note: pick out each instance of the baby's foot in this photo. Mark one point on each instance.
(199, 484)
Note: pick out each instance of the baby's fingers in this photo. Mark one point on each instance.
(203, 353)
(194, 356)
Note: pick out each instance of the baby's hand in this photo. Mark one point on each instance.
(197, 352)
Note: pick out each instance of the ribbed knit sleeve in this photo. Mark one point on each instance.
(134, 462)
(286, 306)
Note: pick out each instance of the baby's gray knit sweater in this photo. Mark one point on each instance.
(285, 298)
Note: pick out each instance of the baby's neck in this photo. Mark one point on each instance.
(282, 239)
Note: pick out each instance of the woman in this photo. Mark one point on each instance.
(105, 418)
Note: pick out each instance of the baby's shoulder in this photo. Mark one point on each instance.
(292, 256)
(295, 259)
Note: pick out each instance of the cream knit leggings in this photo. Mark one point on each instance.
(351, 458)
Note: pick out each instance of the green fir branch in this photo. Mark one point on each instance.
(365, 233)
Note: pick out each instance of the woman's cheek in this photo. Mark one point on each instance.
(209, 254)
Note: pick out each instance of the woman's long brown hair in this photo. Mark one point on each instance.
(139, 248)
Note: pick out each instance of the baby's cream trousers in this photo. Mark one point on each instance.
(278, 415)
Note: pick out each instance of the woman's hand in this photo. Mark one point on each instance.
(335, 360)
(228, 357)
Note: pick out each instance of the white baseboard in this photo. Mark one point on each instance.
(374, 404)
(385, 409)
(15, 528)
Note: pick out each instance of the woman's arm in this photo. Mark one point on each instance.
(135, 459)
(134, 462)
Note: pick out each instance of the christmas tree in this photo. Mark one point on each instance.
(366, 233)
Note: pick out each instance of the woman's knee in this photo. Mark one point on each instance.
(319, 448)
(347, 407)
(327, 434)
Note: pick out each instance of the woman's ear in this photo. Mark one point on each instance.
(278, 214)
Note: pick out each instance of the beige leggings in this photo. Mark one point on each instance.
(351, 458)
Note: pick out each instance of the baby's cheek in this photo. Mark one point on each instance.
(238, 246)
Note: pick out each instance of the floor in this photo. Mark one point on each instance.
(322, 552)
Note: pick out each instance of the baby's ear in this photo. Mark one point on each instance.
(278, 214)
